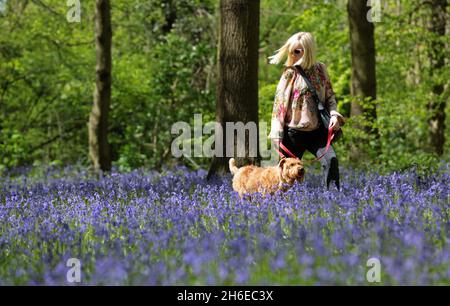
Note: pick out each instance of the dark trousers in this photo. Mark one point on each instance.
(315, 142)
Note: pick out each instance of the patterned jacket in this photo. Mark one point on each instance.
(294, 105)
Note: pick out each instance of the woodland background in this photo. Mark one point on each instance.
(165, 68)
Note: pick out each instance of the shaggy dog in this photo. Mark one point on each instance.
(251, 179)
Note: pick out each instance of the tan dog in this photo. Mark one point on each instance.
(251, 179)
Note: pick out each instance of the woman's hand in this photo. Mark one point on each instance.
(334, 123)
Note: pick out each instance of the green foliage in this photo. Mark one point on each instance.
(164, 71)
(404, 81)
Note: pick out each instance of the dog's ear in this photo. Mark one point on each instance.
(281, 163)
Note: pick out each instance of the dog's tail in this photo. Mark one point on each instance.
(232, 164)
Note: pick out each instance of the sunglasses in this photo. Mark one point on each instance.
(298, 51)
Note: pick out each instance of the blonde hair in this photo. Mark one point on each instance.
(306, 40)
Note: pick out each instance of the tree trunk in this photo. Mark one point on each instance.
(237, 86)
(437, 104)
(363, 68)
(98, 120)
(170, 16)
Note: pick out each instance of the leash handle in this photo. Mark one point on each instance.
(283, 147)
(329, 139)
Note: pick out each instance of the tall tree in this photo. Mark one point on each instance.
(363, 66)
(99, 150)
(436, 51)
(170, 15)
(237, 85)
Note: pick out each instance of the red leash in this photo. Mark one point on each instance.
(330, 138)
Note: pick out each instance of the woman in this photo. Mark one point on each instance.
(295, 118)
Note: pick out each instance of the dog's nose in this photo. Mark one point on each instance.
(301, 171)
